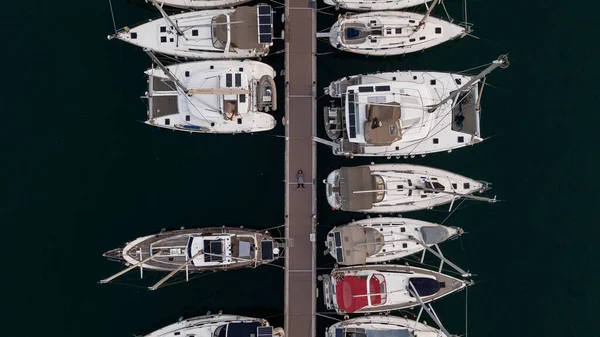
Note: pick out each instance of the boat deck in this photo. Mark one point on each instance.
(300, 205)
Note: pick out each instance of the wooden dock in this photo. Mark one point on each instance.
(300, 154)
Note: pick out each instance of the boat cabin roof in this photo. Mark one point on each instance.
(353, 179)
(355, 243)
(383, 113)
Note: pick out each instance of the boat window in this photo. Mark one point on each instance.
(434, 186)
(365, 89)
(383, 88)
(228, 81)
(380, 186)
(219, 31)
(242, 98)
(238, 80)
(355, 332)
(220, 331)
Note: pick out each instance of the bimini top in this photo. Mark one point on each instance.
(244, 25)
(358, 243)
(356, 179)
(382, 126)
(352, 293)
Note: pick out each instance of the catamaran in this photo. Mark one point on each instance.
(405, 113)
(221, 96)
(378, 288)
(388, 33)
(374, 5)
(202, 4)
(383, 326)
(235, 33)
(397, 188)
(377, 240)
(196, 250)
(219, 326)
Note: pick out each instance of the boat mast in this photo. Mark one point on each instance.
(139, 264)
(501, 62)
(466, 196)
(429, 310)
(185, 264)
(426, 16)
(166, 70)
(164, 14)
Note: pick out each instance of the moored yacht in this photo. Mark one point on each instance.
(378, 288)
(375, 5)
(388, 33)
(202, 4)
(219, 326)
(197, 250)
(382, 326)
(234, 33)
(377, 240)
(404, 113)
(397, 188)
(221, 96)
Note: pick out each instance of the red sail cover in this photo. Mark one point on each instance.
(351, 293)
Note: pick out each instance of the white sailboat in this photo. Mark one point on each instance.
(234, 33)
(383, 326)
(376, 240)
(202, 4)
(388, 33)
(219, 326)
(379, 288)
(398, 188)
(405, 113)
(221, 96)
(374, 5)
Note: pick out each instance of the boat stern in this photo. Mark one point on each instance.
(332, 189)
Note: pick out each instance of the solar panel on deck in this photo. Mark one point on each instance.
(264, 331)
(351, 116)
(339, 255)
(265, 24)
(266, 248)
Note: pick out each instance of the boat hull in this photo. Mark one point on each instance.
(383, 323)
(356, 33)
(204, 326)
(203, 4)
(374, 5)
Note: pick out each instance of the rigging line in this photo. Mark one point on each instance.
(465, 12)
(480, 66)
(454, 210)
(466, 312)
(112, 14)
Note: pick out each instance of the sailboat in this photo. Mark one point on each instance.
(219, 326)
(221, 96)
(382, 326)
(397, 188)
(202, 4)
(196, 250)
(374, 5)
(388, 33)
(405, 113)
(379, 288)
(234, 33)
(377, 240)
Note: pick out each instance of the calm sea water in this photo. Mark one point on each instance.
(82, 175)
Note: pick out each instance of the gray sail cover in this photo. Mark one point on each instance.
(358, 243)
(434, 234)
(356, 179)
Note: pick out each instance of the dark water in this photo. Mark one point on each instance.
(82, 175)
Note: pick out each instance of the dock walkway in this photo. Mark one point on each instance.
(300, 154)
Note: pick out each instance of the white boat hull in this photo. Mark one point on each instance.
(171, 108)
(202, 4)
(375, 5)
(401, 189)
(394, 33)
(382, 323)
(206, 326)
(396, 239)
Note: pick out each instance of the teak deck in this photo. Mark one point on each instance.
(300, 204)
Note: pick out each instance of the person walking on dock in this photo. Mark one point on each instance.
(300, 179)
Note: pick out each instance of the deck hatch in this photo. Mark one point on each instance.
(265, 24)
(266, 248)
(338, 239)
(351, 116)
(213, 250)
(264, 331)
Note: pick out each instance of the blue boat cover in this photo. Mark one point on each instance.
(242, 329)
(425, 286)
